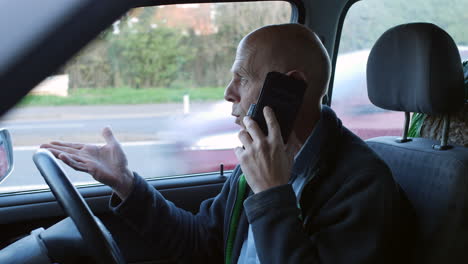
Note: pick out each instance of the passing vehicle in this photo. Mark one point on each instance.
(182, 149)
(217, 135)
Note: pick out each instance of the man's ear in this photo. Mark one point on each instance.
(298, 75)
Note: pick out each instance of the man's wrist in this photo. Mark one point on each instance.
(266, 186)
(125, 186)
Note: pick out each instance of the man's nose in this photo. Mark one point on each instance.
(231, 94)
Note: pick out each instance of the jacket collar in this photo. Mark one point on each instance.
(319, 145)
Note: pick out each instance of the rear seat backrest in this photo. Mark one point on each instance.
(417, 68)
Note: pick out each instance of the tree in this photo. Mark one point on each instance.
(215, 53)
(146, 55)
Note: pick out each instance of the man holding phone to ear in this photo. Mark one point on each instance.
(323, 197)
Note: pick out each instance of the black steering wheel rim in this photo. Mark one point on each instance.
(98, 240)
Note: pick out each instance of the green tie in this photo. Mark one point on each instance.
(235, 218)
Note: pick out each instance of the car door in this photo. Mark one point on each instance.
(155, 74)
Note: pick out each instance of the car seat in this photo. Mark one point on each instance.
(417, 68)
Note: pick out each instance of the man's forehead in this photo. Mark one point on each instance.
(245, 56)
(239, 66)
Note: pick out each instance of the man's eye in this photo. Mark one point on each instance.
(243, 80)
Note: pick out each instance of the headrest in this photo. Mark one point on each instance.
(415, 68)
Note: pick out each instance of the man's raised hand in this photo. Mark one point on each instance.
(107, 164)
(265, 160)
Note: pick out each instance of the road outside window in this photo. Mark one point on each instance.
(157, 77)
(365, 22)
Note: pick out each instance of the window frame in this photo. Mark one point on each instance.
(336, 48)
(298, 12)
(297, 16)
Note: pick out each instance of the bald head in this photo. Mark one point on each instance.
(285, 48)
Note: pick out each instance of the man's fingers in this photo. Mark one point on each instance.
(254, 130)
(245, 138)
(272, 123)
(68, 144)
(77, 158)
(239, 151)
(75, 164)
(108, 135)
(60, 148)
(55, 152)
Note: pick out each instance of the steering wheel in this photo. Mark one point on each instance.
(97, 238)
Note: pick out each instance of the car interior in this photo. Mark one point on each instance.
(412, 68)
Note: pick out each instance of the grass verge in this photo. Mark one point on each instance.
(111, 96)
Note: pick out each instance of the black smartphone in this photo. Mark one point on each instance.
(284, 95)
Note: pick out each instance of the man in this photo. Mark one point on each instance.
(324, 197)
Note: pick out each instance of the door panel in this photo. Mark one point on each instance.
(22, 213)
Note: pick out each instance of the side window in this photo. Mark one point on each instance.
(365, 22)
(157, 78)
